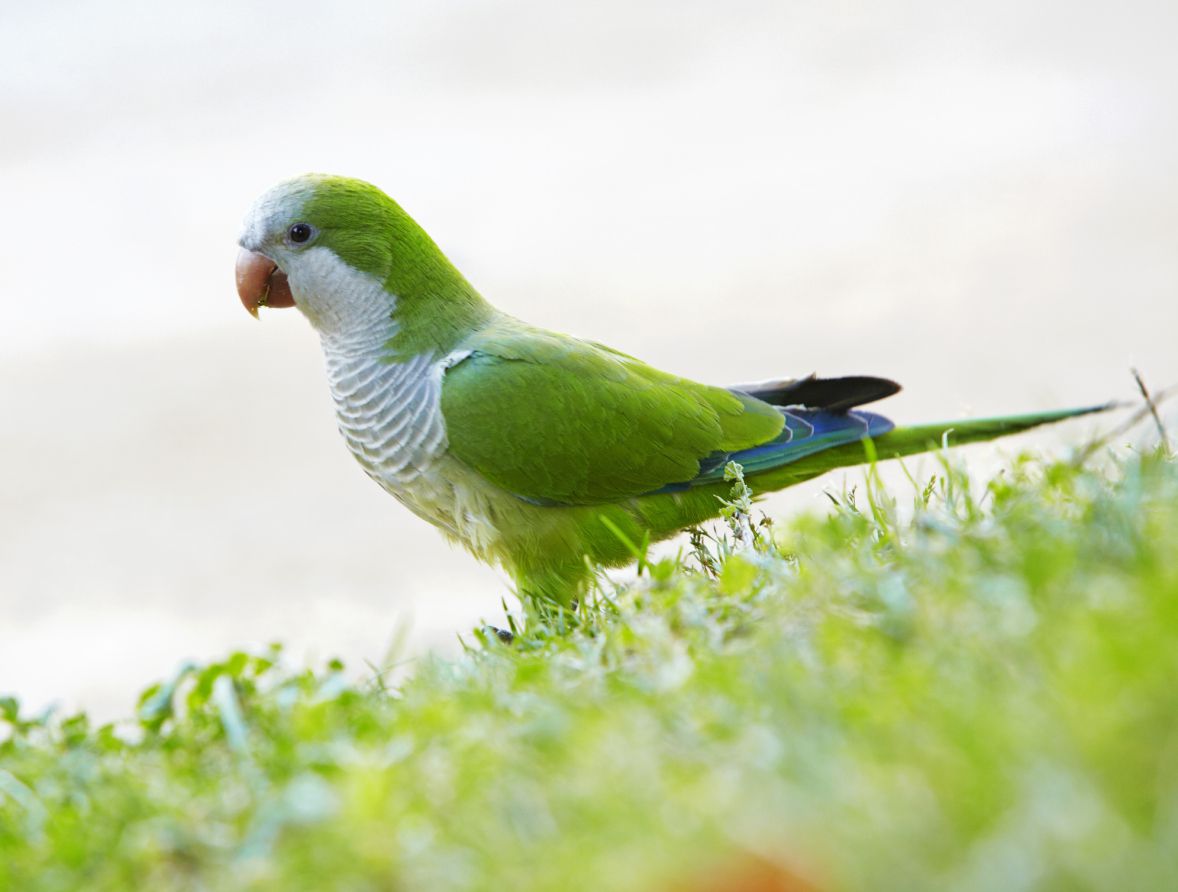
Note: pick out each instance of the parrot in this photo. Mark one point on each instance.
(541, 453)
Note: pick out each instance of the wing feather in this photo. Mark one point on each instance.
(556, 420)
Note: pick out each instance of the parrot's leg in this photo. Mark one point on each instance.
(559, 586)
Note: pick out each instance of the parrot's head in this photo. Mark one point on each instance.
(353, 262)
(327, 245)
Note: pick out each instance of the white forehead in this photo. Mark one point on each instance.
(275, 209)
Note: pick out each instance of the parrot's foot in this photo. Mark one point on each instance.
(503, 635)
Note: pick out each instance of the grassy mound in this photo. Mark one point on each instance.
(980, 692)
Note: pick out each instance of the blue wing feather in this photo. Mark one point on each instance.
(806, 432)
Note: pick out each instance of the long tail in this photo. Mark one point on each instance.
(903, 441)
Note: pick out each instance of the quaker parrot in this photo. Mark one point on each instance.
(546, 454)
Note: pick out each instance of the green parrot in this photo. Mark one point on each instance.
(543, 453)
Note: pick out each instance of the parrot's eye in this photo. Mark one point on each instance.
(300, 233)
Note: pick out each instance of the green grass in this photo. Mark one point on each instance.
(977, 692)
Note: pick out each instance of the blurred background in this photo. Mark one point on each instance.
(979, 200)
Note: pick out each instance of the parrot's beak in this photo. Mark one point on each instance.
(260, 283)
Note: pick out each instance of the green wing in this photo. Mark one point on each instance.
(557, 420)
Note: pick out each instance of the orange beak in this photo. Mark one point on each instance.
(260, 283)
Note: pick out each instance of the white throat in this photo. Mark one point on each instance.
(389, 412)
(343, 304)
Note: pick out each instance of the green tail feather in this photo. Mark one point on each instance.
(911, 440)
